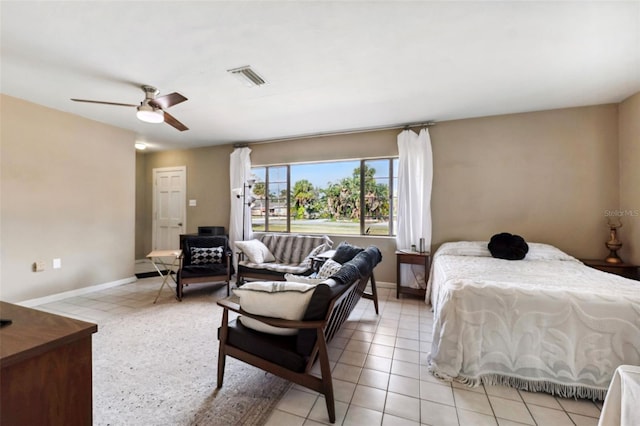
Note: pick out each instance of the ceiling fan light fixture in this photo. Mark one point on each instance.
(148, 114)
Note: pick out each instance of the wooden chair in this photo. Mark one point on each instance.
(292, 357)
(192, 272)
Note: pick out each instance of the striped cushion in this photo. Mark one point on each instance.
(292, 249)
(277, 267)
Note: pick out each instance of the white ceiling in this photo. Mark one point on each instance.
(331, 66)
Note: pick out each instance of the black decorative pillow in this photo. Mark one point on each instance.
(345, 252)
(204, 255)
(507, 246)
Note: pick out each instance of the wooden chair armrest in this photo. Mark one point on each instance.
(228, 304)
(275, 322)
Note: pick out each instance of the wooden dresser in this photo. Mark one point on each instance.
(46, 368)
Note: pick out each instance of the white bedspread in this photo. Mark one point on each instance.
(544, 323)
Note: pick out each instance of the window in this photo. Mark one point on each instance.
(340, 198)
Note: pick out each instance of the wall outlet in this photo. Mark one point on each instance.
(57, 263)
(38, 266)
(193, 203)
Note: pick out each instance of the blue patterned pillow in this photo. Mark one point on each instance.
(204, 255)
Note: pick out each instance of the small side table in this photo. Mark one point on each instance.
(412, 258)
(157, 258)
(623, 269)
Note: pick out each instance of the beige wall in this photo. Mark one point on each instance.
(67, 192)
(629, 116)
(207, 183)
(548, 176)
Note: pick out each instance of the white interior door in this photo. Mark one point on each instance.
(169, 207)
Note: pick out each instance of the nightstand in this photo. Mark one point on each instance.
(623, 269)
(412, 258)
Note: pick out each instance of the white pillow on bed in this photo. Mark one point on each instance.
(537, 251)
(540, 251)
(465, 248)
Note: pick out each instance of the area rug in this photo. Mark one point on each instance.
(158, 366)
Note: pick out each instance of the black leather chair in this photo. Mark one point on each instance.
(198, 266)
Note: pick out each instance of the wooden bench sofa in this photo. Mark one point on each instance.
(293, 356)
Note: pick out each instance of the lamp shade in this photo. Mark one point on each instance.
(148, 114)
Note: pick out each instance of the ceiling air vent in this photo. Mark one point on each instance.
(247, 76)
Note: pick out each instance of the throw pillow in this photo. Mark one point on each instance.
(276, 299)
(345, 252)
(204, 255)
(507, 246)
(256, 251)
(329, 268)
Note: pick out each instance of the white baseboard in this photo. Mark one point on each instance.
(384, 284)
(78, 292)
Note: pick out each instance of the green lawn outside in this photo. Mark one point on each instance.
(322, 226)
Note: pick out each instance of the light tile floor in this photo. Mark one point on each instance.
(379, 369)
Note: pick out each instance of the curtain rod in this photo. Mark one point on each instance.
(342, 132)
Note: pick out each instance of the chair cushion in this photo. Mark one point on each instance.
(280, 350)
(213, 269)
(277, 269)
(316, 310)
(306, 279)
(275, 299)
(292, 249)
(202, 242)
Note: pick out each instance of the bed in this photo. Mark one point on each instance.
(545, 323)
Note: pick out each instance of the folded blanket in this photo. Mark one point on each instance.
(360, 266)
(347, 274)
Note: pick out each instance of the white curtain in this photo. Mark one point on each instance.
(415, 176)
(239, 172)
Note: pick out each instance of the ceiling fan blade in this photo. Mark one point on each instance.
(172, 121)
(104, 103)
(167, 101)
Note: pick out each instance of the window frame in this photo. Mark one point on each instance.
(362, 217)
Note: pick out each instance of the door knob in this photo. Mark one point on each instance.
(180, 224)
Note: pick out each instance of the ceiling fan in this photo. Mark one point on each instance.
(152, 108)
